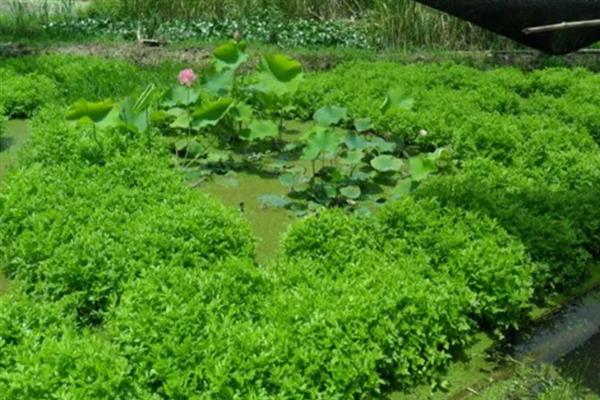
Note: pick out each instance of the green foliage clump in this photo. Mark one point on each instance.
(294, 332)
(555, 217)
(91, 78)
(469, 248)
(334, 238)
(82, 233)
(42, 353)
(22, 95)
(83, 216)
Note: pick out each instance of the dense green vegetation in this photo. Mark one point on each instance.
(362, 24)
(127, 283)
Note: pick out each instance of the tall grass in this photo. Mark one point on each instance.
(396, 23)
(393, 23)
(25, 17)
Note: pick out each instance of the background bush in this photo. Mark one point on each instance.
(84, 77)
(22, 95)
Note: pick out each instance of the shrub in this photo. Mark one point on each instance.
(334, 238)
(42, 355)
(81, 233)
(91, 78)
(470, 248)
(554, 216)
(466, 246)
(525, 143)
(22, 95)
(228, 331)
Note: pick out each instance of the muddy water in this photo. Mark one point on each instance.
(583, 364)
(11, 141)
(570, 340)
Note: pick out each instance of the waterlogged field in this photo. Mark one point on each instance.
(255, 230)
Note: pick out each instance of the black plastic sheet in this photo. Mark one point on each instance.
(510, 17)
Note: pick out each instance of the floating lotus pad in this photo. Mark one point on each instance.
(510, 17)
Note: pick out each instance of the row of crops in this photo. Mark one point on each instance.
(127, 283)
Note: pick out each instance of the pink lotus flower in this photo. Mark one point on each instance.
(187, 77)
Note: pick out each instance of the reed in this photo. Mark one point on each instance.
(395, 23)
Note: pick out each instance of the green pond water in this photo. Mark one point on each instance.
(242, 191)
(11, 141)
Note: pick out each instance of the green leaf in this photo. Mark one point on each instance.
(210, 114)
(180, 95)
(262, 129)
(396, 100)
(282, 67)
(271, 200)
(351, 192)
(323, 142)
(355, 142)
(218, 156)
(386, 163)
(229, 56)
(182, 121)
(330, 191)
(363, 125)
(381, 145)
(420, 167)
(195, 149)
(96, 112)
(330, 115)
(353, 157)
(310, 153)
(135, 121)
(423, 165)
(294, 181)
(242, 112)
(271, 89)
(143, 101)
(218, 83)
(402, 189)
(181, 144)
(360, 176)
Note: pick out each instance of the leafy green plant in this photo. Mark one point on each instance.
(22, 95)
(87, 255)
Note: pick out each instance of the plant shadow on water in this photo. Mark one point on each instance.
(13, 139)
